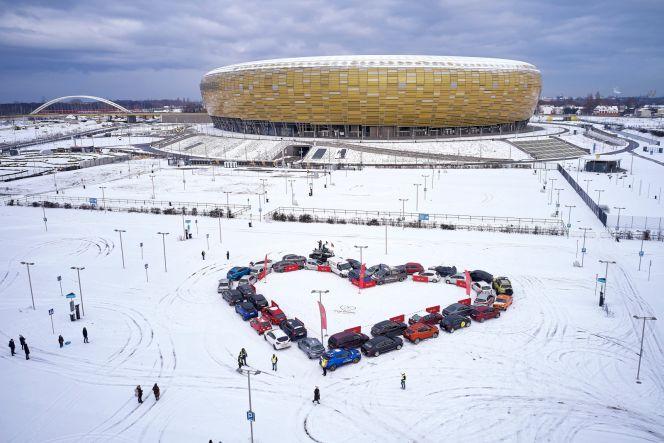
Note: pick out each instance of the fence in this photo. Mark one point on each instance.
(599, 212)
(417, 220)
(131, 205)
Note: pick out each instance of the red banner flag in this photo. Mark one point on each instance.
(399, 318)
(323, 316)
(433, 309)
(274, 304)
(363, 270)
(263, 272)
(468, 282)
(357, 329)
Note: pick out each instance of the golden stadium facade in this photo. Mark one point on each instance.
(372, 96)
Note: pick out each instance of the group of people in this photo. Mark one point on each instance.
(61, 339)
(24, 346)
(138, 392)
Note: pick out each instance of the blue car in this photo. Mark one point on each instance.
(246, 310)
(238, 272)
(334, 358)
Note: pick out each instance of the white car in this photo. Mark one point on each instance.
(339, 266)
(311, 265)
(430, 276)
(258, 266)
(484, 288)
(484, 299)
(277, 338)
(453, 279)
(249, 279)
(224, 284)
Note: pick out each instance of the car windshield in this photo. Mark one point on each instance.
(282, 339)
(344, 266)
(298, 329)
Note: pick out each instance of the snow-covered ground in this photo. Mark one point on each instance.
(632, 122)
(36, 130)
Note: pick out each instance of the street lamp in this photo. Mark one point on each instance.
(249, 373)
(32, 295)
(551, 190)
(320, 302)
(558, 197)
(599, 194)
(227, 194)
(618, 222)
(583, 248)
(643, 237)
(403, 212)
(417, 195)
(80, 290)
(120, 231)
(103, 196)
(606, 273)
(292, 192)
(361, 248)
(163, 241)
(569, 218)
(588, 184)
(152, 178)
(643, 330)
(424, 176)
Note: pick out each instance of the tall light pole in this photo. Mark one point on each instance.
(361, 248)
(163, 241)
(249, 373)
(152, 178)
(606, 273)
(263, 180)
(80, 289)
(103, 196)
(320, 301)
(424, 176)
(569, 218)
(292, 192)
(618, 222)
(643, 331)
(32, 295)
(558, 197)
(583, 248)
(417, 195)
(599, 194)
(551, 190)
(588, 184)
(227, 194)
(643, 236)
(403, 212)
(120, 231)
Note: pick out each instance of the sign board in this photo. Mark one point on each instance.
(420, 278)
(59, 278)
(640, 253)
(423, 217)
(584, 250)
(70, 295)
(569, 225)
(50, 311)
(187, 221)
(251, 416)
(601, 280)
(93, 201)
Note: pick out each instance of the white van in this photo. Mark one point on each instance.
(339, 266)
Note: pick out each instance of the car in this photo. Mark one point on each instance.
(294, 258)
(232, 296)
(503, 301)
(339, 266)
(429, 276)
(481, 313)
(260, 324)
(311, 264)
(354, 274)
(380, 345)
(294, 328)
(334, 358)
(481, 287)
(246, 310)
(390, 275)
(502, 285)
(484, 299)
(224, 284)
(278, 339)
(354, 263)
(246, 290)
(457, 308)
(346, 340)
(311, 346)
(454, 278)
(420, 331)
(388, 328)
(248, 279)
(479, 275)
(321, 255)
(444, 271)
(412, 268)
(258, 300)
(237, 272)
(274, 314)
(258, 266)
(281, 266)
(432, 318)
(452, 322)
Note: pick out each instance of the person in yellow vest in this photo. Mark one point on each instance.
(274, 362)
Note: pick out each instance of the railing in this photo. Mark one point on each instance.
(599, 212)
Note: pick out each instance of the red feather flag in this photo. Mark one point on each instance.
(323, 316)
(468, 282)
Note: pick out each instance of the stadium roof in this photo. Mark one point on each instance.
(382, 61)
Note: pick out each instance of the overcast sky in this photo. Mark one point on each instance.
(160, 49)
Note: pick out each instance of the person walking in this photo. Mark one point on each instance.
(139, 393)
(403, 380)
(203, 254)
(316, 396)
(239, 362)
(228, 255)
(26, 350)
(61, 341)
(85, 335)
(12, 346)
(274, 362)
(21, 340)
(243, 356)
(155, 390)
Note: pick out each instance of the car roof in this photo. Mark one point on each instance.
(246, 304)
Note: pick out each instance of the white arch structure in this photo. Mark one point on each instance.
(89, 97)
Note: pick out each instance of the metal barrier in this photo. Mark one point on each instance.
(599, 212)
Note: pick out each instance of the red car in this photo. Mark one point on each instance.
(261, 324)
(412, 268)
(428, 319)
(481, 313)
(274, 314)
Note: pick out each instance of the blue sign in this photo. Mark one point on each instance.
(583, 250)
(569, 225)
(93, 201)
(601, 280)
(251, 416)
(424, 217)
(50, 311)
(640, 253)
(70, 295)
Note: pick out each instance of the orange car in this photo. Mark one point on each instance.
(420, 331)
(503, 301)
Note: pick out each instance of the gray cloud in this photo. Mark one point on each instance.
(141, 49)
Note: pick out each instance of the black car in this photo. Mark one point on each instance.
(452, 322)
(444, 271)
(294, 258)
(246, 290)
(428, 319)
(354, 263)
(457, 308)
(258, 301)
(280, 266)
(293, 328)
(346, 340)
(354, 274)
(478, 275)
(232, 296)
(390, 275)
(321, 256)
(380, 345)
(388, 328)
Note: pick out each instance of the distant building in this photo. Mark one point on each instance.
(644, 112)
(606, 111)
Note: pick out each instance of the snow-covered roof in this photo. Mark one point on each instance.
(374, 61)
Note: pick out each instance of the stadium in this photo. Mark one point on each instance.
(378, 97)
